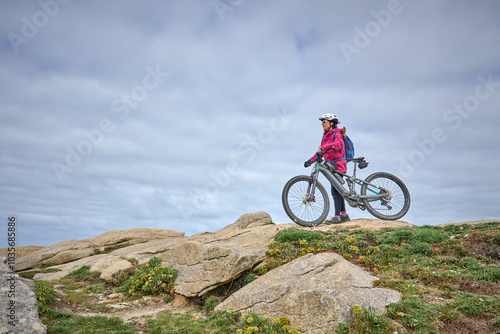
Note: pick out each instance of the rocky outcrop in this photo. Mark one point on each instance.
(72, 250)
(316, 292)
(249, 220)
(204, 261)
(18, 305)
(207, 261)
(106, 264)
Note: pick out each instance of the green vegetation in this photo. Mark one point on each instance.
(66, 323)
(210, 304)
(250, 277)
(84, 274)
(293, 234)
(150, 279)
(366, 321)
(446, 275)
(219, 323)
(45, 296)
(30, 274)
(82, 288)
(448, 278)
(109, 249)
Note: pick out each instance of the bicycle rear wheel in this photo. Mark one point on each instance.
(397, 201)
(300, 206)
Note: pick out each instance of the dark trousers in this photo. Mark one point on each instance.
(338, 201)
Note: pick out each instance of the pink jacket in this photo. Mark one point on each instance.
(335, 152)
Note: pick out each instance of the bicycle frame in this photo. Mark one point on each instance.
(350, 195)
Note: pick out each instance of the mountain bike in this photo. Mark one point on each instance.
(307, 203)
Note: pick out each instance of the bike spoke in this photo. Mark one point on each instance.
(302, 209)
(393, 202)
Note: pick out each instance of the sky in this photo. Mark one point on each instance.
(187, 114)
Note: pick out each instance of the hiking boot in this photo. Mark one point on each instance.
(333, 220)
(344, 218)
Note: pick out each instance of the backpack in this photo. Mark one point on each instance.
(348, 146)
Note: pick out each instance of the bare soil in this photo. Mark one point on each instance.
(480, 324)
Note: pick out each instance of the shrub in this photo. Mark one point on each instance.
(210, 304)
(366, 321)
(250, 277)
(150, 279)
(44, 295)
(256, 323)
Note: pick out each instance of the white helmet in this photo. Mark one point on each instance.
(329, 117)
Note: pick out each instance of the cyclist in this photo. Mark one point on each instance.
(333, 150)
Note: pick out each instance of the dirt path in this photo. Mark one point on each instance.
(136, 312)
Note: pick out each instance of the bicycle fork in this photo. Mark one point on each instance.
(311, 188)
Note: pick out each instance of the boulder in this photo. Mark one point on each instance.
(106, 264)
(204, 261)
(45, 254)
(249, 220)
(209, 260)
(18, 304)
(143, 252)
(132, 236)
(72, 250)
(21, 250)
(316, 292)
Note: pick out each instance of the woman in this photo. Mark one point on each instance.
(333, 145)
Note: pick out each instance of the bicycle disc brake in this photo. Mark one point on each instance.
(308, 200)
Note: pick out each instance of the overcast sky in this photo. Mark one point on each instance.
(186, 114)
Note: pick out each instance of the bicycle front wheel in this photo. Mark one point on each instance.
(396, 202)
(302, 207)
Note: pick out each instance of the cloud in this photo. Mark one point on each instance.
(167, 115)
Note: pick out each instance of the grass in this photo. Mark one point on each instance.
(448, 277)
(109, 249)
(30, 274)
(66, 323)
(218, 323)
(84, 274)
